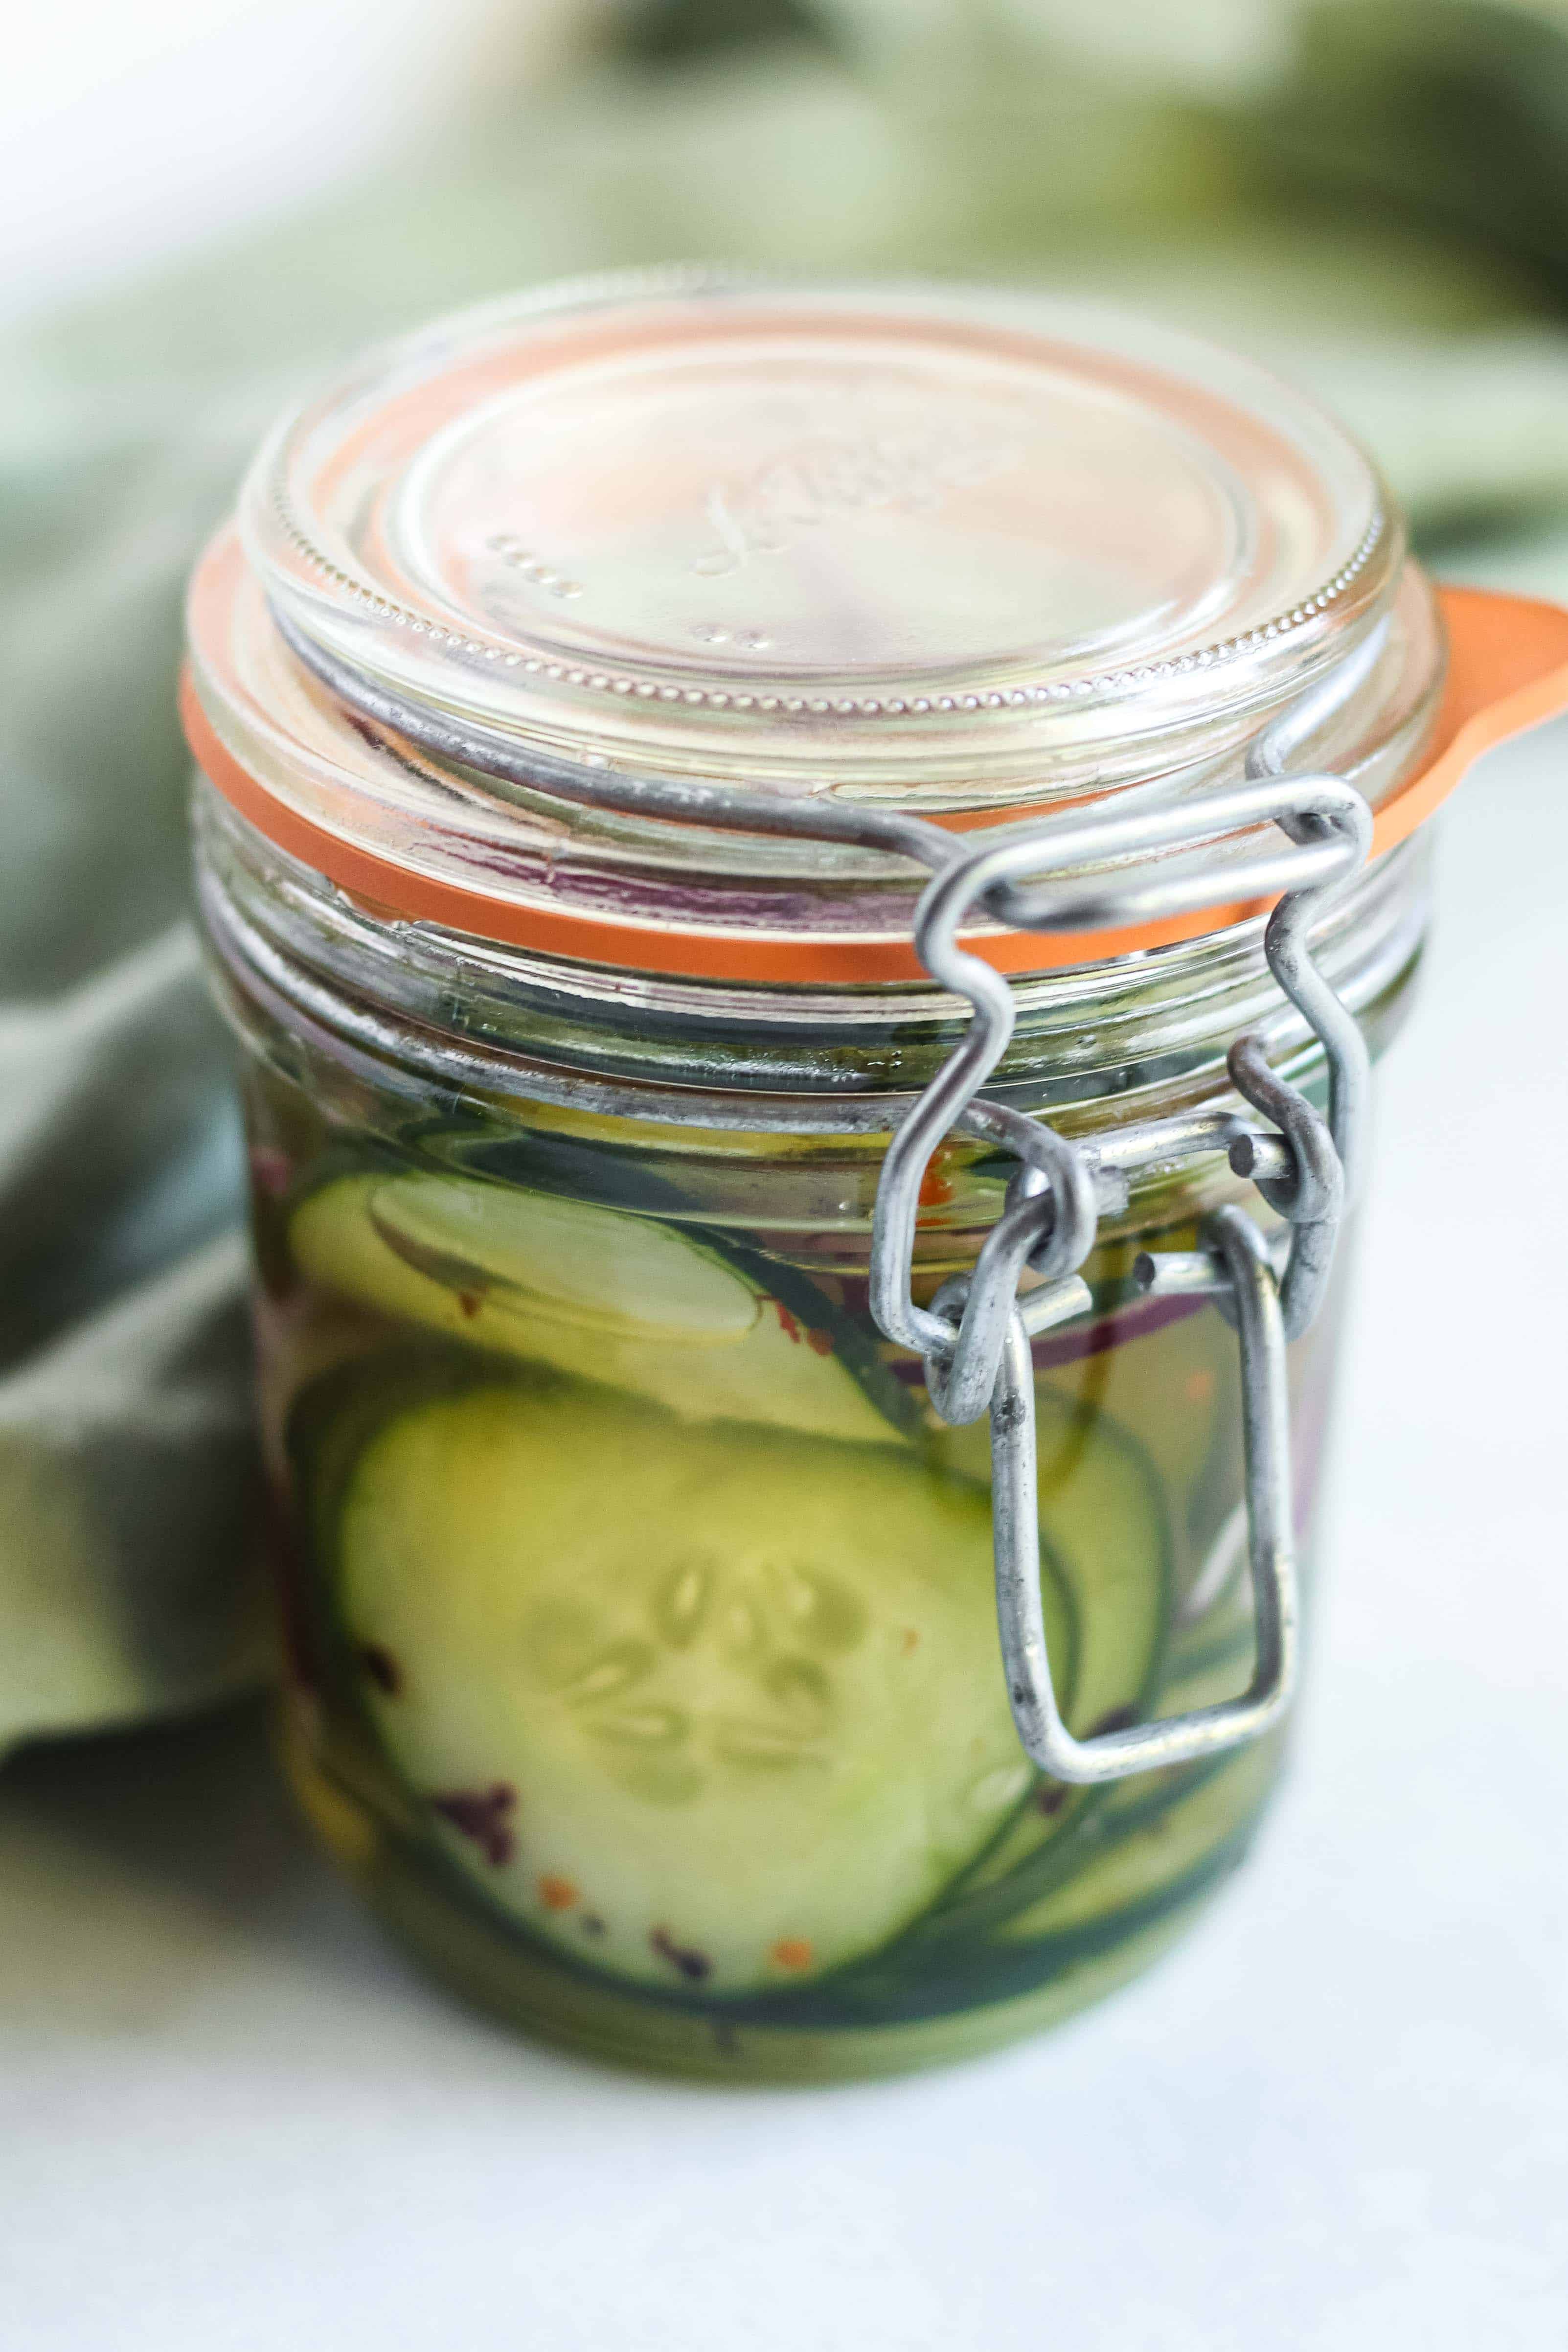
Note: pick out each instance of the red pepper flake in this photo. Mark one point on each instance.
(469, 1303)
(481, 1814)
(792, 1952)
(557, 1893)
(685, 1961)
(1049, 1798)
(381, 1667)
(935, 1192)
(787, 1323)
(821, 1343)
(1197, 1388)
(270, 1172)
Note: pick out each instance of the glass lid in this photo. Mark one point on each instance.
(930, 544)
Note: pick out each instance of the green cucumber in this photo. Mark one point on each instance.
(1103, 1525)
(625, 1301)
(1209, 1676)
(1020, 1878)
(1147, 1854)
(1103, 1514)
(714, 1709)
(1151, 1841)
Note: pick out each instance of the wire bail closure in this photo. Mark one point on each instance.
(975, 1335)
(1074, 872)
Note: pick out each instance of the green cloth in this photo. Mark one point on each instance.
(1373, 195)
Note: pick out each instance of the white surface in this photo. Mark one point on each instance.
(132, 130)
(1336, 2121)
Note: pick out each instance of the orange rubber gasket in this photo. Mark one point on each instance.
(1508, 670)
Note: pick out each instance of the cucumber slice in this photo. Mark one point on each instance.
(1102, 1517)
(1152, 1845)
(600, 1293)
(1104, 1530)
(717, 1710)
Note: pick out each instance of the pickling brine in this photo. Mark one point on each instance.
(642, 1617)
(767, 851)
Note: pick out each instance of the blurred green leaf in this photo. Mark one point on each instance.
(675, 32)
(1451, 113)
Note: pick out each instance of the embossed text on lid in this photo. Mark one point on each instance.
(701, 525)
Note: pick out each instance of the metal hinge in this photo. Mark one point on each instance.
(975, 1335)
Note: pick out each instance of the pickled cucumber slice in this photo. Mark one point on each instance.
(1150, 1846)
(714, 1709)
(1104, 1530)
(602, 1294)
(1102, 1515)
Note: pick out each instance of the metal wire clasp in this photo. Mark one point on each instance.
(1089, 871)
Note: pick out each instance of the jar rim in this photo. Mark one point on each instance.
(273, 783)
(430, 839)
(933, 539)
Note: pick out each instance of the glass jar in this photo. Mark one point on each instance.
(642, 1634)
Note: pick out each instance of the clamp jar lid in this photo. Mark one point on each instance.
(964, 553)
(676, 631)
